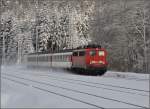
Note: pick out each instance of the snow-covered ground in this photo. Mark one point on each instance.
(22, 87)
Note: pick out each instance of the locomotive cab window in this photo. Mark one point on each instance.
(101, 53)
(81, 53)
(92, 53)
(75, 53)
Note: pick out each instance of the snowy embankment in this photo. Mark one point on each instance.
(22, 87)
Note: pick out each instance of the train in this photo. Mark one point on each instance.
(91, 59)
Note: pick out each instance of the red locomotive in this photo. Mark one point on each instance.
(91, 59)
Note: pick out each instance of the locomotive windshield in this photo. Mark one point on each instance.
(81, 53)
(75, 53)
(101, 53)
(92, 52)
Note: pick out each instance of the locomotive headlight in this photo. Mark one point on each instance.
(92, 62)
(101, 53)
(101, 62)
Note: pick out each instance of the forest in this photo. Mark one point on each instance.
(122, 27)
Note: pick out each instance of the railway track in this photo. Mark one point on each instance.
(79, 83)
(126, 78)
(76, 91)
(94, 84)
(100, 86)
(48, 91)
(140, 90)
(121, 77)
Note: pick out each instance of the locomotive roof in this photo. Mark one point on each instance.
(69, 50)
(89, 46)
(47, 52)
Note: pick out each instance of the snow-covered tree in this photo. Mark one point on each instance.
(8, 32)
(81, 16)
(140, 24)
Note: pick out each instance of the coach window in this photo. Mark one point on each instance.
(43, 58)
(53, 58)
(39, 58)
(60, 57)
(50, 58)
(46, 58)
(63, 57)
(92, 53)
(57, 58)
(75, 53)
(81, 53)
(30, 59)
(66, 58)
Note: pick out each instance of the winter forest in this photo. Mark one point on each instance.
(120, 26)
